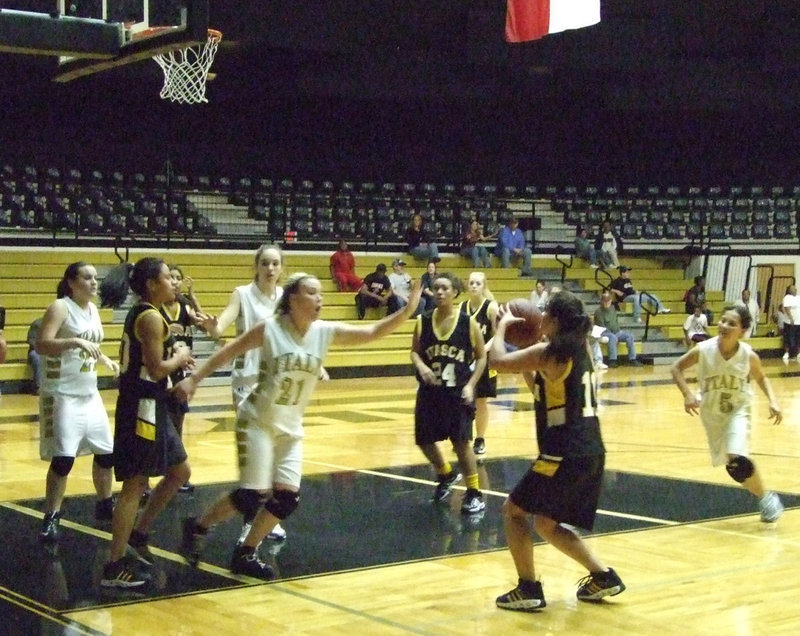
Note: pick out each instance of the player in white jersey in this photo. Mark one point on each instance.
(72, 418)
(248, 305)
(725, 366)
(292, 344)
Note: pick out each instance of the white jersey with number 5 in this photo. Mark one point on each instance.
(724, 384)
(288, 373)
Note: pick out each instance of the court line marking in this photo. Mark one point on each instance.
(497, 493)
(165, 554)
(35, 607)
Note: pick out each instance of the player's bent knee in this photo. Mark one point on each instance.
(247, 501)
(740, 468)
(282, 503)
(104, 461)
(61, 465)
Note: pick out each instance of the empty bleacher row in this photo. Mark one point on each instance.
(372, 212)
(690, 214)
(136, 204)
(74, 203)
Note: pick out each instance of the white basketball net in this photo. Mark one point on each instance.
(186, 71)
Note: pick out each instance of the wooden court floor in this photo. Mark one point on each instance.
(367, 553)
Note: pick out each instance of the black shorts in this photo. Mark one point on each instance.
(486, 386)
(440, 415)
(570, 495)
(141, 448)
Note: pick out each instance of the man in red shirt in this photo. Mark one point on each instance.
(343, 266)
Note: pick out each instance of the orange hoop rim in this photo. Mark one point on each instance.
(213, 34)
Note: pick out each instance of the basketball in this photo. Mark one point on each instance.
(524, 334)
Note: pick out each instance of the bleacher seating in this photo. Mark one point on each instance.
(55, 199)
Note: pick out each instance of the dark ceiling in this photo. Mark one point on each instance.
(660, 89)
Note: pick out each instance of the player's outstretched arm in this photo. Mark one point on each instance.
(687, 360)
(251, 339)
(214, 326)
(347, 334)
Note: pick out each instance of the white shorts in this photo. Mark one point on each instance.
(72, 425)
(728, 435)
(266, 457)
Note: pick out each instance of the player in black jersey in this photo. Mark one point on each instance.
(145, 440)
(445, 345)
(482, 307)
(562, 487)
(182, 317)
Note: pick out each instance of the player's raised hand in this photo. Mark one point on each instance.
(505, 317)
(414, 296)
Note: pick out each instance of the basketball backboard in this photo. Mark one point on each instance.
(149, 27)
(89, 36)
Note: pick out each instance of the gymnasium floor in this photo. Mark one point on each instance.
(367, 552)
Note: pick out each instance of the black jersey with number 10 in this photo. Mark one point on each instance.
(566, 411)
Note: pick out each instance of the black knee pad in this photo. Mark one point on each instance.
(740, 468)
(282, 503)
(104, 461)
(62, 465)
(247, 501)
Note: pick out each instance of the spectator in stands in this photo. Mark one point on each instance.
(419, 243)
(585, 250)
(606, 317)
(779, 318)
(540, 295)
(696, 295)
(751, 304)
(376, 291)
(400, 280)
(695, 327)
(428, 300)
(343, 269)
(511, 243)
(596, 338)
(608, 245)
(472, 245)
(624, 292)
(791, 328)
(34, 358)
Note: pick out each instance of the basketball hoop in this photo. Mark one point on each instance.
(186, 70)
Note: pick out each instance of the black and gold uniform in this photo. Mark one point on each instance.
(487, 383)
(180, 326)
(145, 440)
(440, 412)
(564, 481)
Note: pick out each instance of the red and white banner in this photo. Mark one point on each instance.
(528, 20)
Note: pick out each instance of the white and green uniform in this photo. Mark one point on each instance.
(253, 307)
(725, 397)
(72, 417)
(269, 429)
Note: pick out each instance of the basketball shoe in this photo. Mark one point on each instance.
(598, 585)
(528, 596)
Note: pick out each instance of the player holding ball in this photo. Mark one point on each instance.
(562, 487)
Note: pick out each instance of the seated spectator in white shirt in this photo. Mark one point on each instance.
(695, 328)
